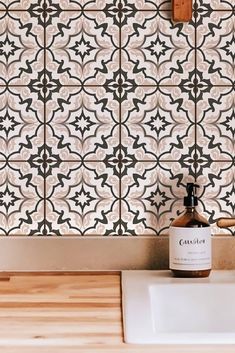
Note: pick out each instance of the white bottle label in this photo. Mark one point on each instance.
(190, 248)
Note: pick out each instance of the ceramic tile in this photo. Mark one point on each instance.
(33, 5)
(107, 110)
(21, 199)
(136, 175)
(83, 200)
(152, 200)
(212, 101)
(116, 7)
(215, 128)
(51, 6)
(20, 46)
(158, 48)
(68, 147)
(196, 162)
(28, 29)
(209, 5)
(21, 123)
(215, 53)
(85, 126)
(216, 181)
(218, 196)
(3, 9)
(155, 133)
(30, 73)
(82, 47)
(42, 10)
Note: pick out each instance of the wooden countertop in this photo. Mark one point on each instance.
(65, 313)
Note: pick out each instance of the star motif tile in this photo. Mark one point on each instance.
(107, 110)
(21, 199)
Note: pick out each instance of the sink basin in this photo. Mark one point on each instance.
(158, 308)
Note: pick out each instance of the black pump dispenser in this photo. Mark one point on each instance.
(191, 199)
(190, 240)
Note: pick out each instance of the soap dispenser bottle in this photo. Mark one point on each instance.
(190, 240)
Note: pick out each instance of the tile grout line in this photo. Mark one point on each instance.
(120, 123)
(120, 103)
(44, 123)
(195, 101)
(158, 10)
(113, 85)
(101, 160)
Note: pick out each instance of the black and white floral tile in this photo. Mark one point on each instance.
(108, 109)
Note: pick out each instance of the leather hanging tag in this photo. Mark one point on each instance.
(182, 10)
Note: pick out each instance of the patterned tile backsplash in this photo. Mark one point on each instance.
(107, 109)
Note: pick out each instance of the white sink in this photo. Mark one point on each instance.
(158, 308)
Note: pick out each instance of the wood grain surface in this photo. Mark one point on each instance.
(226, 222)
(68, 313)
(182, 10)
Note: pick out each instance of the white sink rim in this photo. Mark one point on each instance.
(140, 330)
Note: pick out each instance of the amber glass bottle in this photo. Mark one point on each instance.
(190, 240)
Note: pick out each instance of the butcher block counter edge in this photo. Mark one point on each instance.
(68, 312)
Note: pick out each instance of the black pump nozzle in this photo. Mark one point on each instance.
(191, 199)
